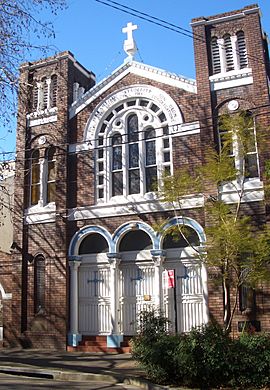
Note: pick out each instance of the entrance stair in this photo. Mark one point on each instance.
(99, 344)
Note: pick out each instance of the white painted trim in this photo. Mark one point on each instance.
(227, 18)
(233, 78)
(79, 147)
(253, 191)
(39, 214)
(135, 68)
(130, 205)
(185, 129)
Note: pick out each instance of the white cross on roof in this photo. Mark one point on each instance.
(129, 44)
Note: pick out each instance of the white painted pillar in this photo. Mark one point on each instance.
(114, 271)
(158, 257)
(235, 52)
(74, 337)
(114, 339)
(222, 55)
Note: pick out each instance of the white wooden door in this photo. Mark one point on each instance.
(136, 294)
(94, 300)
(188, 294)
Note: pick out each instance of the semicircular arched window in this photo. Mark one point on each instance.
(135, 240)
(93, 243)
(176, 239)
(133, 149)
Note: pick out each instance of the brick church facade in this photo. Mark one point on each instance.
(86, 254)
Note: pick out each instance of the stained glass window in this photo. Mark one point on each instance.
(117, 174)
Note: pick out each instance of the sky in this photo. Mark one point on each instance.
(93, 33)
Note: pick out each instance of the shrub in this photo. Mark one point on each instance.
(204, 358)
(251, 361)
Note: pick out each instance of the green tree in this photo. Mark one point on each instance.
(235, 246)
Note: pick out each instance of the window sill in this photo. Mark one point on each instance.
(40, 214)
(230, 79)
(253, 191)
(131, 205)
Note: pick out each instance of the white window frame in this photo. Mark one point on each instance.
(112, 128)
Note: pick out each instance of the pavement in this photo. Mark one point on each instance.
(75, 366)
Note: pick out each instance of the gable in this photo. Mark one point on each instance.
(136, 68)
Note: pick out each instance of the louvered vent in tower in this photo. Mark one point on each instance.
(44, 101)
(242, 50)
(35, 98)
(215, 56)
(53, 90)
(228, 52)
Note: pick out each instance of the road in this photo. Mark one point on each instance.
(10, 382)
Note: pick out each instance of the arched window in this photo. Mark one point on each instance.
(133, 153)
(228, 52)
(93, 243)
(242, 51)
(182, 238)
(135, 240)
(51, 174)
(216, 64)
(43, 175)
(117, 165)
(150, 160)
(39, 283)
(133, 149)
(35, 178)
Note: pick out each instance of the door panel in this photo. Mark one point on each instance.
(94, 300)
(189, 296)
(136, 294)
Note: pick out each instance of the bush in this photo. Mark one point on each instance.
(201, 357)
(204, 358)
(251, 361)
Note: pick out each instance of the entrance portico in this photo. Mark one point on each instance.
(125, 275)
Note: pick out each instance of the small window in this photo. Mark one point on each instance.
(93, 243)
(51, 167)
(136, 240)
(35, 178)
(39, 284)
(247, 298)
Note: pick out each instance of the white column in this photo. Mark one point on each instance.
(114, 339)
(114, 271)
(234, 51)
(158, 257)
(74, 336)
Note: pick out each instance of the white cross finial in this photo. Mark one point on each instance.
(129, 44)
